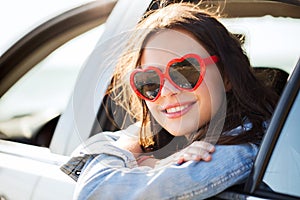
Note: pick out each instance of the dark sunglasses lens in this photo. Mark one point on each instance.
(147, 83)
(185, 74)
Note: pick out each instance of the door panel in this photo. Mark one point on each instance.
(30, 172)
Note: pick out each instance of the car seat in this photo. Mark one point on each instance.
(272, 77)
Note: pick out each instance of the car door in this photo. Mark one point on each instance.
(29, 172)
(81, 113)
(276, 172)
(52, 53)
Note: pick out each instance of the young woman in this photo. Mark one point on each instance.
(187, 82)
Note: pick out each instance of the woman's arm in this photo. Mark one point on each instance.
(114, 174)
(198, 150)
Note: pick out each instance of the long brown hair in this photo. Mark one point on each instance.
(248, 99)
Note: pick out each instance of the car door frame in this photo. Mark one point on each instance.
(41, 41)
(76, 123)
(254, 186)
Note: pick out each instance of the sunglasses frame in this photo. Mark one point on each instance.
(162, 76)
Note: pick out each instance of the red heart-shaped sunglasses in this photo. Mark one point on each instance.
(185, 73)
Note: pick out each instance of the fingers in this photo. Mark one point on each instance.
(202, 145)
(198, 150)
(196, 155)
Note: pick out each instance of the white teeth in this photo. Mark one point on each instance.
(176, 109)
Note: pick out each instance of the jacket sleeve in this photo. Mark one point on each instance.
(114, 174)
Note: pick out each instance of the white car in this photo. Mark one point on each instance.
(38, 74)
(53, 82)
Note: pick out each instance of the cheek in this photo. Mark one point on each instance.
(155, 111)
(153, 108)
(204, 108)
(211, 93)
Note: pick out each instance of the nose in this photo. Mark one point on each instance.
(168, 89)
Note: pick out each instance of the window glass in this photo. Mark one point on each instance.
(33, 12)
(42, 93)
(283, 172)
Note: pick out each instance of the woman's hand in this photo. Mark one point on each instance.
(198, 150)
(130, 143)
(129, 139)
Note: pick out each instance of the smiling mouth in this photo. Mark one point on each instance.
(176, 109)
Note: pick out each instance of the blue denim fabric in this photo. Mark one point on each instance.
(114, 174)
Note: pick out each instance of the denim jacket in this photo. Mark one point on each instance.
(108, 172)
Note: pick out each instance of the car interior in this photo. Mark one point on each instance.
(106, 120)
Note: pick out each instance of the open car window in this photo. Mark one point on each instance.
(269, 42)
(42, 94)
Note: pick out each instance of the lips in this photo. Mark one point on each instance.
(175, 111)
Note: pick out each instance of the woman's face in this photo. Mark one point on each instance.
(182, 112)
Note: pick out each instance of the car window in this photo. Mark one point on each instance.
(269, 41)
(19, 17)
(258, 35)
(42, 93)
(283, 171)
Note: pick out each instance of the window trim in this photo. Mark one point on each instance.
(47, 37)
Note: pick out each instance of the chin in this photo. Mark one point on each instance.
(178, 132)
